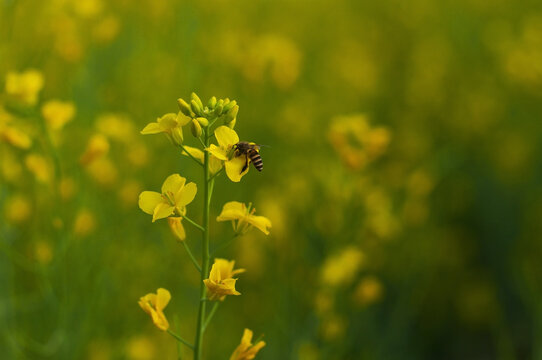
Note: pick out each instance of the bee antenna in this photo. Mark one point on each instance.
(262, 145)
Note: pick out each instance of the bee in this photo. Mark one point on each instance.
(252, 152)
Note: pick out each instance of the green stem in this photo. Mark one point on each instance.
(216, 174)
(211, 314)
(204, 253)
(180, 339)
(193, 223)
(190, 155)
(194, 261)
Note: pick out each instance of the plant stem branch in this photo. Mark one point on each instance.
(190, 155)
(194, 261)
(193, 223)
(211, 314)
(180, 339)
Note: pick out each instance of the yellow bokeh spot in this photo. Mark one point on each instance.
(17, 209)
(340, 269)
(85, 223)
(25, 86)
(39, 166)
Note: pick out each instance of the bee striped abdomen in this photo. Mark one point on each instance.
(256, 159)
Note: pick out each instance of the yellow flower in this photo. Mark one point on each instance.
(221, 282)
(340, 269)
(177, 227)
(215, 164)
(57, 113)
(154, 304)
(225, 151)
(24, 86)
(173, 199)
(17, 209)
(39, 166)
(171, 124)
(85, 223)
(15, 137)
(246, 350)
(97, 146)
(245, 217)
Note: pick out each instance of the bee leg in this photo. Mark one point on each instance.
(246, 165)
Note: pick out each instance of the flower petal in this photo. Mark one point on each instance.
(260, 222)
(173, 184)
(234, 167)
(226, 137)
(232, 210)
(218, 152)
(215, 164)
(161, 211)
(148, 200)
(168, 121)
(182, 119)
(195, 152)
(152, 128)
(162, 298)
(185, 195)
(177, 228)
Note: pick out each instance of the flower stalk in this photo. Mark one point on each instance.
(200, 329)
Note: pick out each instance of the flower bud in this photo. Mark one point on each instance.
(229, 105)
(231, 124)
(219, 108)
(184, 107)
(212, 103)
(195, 127)
(196, 108)
(232, 114)
(203, 121)
(196, 98)
(177, 228)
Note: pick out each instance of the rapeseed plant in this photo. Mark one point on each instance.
(216, 281)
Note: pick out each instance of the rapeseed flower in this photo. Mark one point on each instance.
(246, 350)
(57, 113)
(234, 163)
(221, 282)
(243, 218)
(171, 124)
(154, 304)
(215, 164)
(39, 166)
(173, 199)
(25, 86)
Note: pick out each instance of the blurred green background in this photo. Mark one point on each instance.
(403, 177)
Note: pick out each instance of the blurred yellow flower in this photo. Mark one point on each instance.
(173, 199)
(116, 127)
(245, 217)
(227, 139)
(221, 282)
(25, 86)
(97, 146)
(17, 209)
(154, 304)
(14, 137)
(39, 166)
(341, 269)
(103, 171)
(140, 348)
(84, 223)
(177, 227)
(368, 291)
(43, 252)
(66, 188)
(129, 192)
(171, 124)
(106, 29)
(57, 113)
(246, 350)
